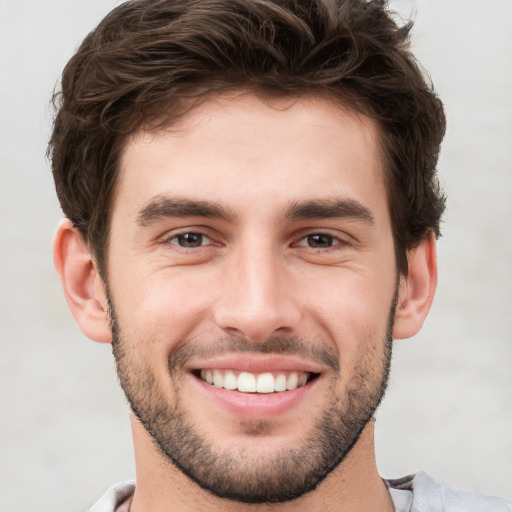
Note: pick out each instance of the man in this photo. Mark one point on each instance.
(252, 207)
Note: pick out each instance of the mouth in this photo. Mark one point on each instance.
(247, 382)
(255, 386)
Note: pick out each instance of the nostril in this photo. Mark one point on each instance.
(257, 327)
(257, 314)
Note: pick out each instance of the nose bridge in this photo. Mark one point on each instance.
(255, 302)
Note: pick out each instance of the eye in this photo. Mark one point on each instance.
(190, 240)
(319, 241)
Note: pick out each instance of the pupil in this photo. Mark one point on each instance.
(190, 240)
(320, 240)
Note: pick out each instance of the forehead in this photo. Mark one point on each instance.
(241, 148)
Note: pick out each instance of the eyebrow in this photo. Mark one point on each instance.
(330, 208)
(161, 207)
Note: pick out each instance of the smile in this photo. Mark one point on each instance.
(246, 382)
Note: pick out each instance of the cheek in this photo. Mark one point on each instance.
(353, 311)
(353, 299)
(162, 309)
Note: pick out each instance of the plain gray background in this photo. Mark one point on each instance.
(64, 426)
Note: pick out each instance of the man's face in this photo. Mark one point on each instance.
(251, 245)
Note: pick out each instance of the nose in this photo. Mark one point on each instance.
(256, 299)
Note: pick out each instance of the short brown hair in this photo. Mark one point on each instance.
(147, 56)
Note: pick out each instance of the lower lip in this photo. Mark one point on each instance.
(256, 405)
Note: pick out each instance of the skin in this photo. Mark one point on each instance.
(256, 276)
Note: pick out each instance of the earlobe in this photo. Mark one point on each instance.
(416, 290)
(81, 282)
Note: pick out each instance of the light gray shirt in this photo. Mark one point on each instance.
(421, 493)
(413, 493)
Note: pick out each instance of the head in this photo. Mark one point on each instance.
(150, 61)
(252, 193)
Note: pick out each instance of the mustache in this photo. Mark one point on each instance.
(290, 346)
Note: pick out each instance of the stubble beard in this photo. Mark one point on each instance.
(285, 475)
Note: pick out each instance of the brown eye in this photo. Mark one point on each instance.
(320, 241)
(190, 240)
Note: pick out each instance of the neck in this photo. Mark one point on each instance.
(355, 485)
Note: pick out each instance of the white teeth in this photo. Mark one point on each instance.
(280, 382)
(247, 382)
(292, 381)
(265, 383)
(218, 379)
(230, 380)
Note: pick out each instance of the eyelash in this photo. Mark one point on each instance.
(332, 240)
(177, 236)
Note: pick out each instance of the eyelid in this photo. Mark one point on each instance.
(176, 236)
(338, 239)
(168, 237)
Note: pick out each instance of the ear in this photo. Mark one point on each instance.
(83, 287)
(416, 290)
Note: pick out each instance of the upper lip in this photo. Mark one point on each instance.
(256, 363)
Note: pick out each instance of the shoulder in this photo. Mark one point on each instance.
(114, 497)
(427, 495)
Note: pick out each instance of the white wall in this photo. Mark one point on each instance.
(64, 429)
